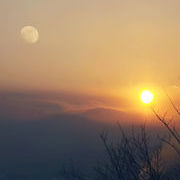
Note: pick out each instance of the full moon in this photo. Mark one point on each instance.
(147, 97)
(30, 34)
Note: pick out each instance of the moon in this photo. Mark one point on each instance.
(30, 34)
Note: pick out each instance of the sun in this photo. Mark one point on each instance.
(147, 96)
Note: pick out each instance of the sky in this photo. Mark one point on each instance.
(96, 47)
(83, 74)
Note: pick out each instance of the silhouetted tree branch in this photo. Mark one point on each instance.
(132, 157)
(171, 129)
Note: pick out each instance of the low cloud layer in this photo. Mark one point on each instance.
(32, 105)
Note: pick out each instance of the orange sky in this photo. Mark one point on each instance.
(103, 47)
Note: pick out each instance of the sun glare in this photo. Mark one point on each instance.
(147, 97)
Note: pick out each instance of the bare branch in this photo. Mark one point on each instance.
(167, 126)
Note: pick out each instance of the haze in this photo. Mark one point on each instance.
(79, 67)
(96, 46)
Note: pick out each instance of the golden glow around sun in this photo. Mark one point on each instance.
(147, 96)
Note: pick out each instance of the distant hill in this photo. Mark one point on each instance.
(110, 116)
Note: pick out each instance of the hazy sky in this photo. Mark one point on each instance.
(82, 76)
(90, 45)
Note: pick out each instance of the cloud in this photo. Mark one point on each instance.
(33, 105)
(20, 106)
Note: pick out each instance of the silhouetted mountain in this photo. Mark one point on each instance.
(37, 149)
(110, 116)
(31, 148)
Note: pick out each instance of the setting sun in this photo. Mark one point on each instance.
(147, 97)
